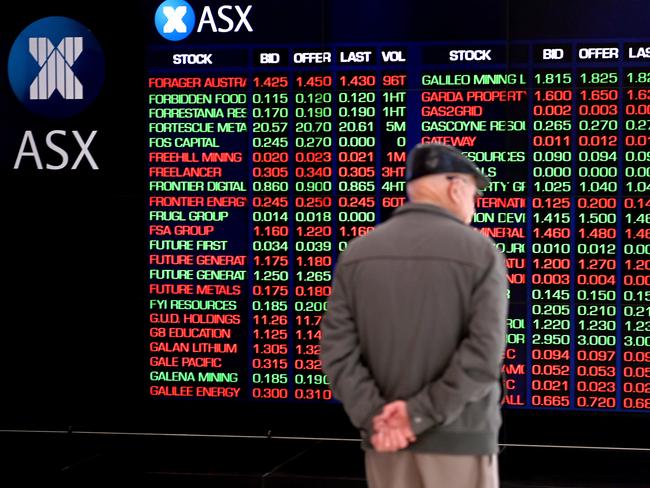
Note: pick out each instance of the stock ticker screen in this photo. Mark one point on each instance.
(275, 134)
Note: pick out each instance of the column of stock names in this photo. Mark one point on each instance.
(260, 172)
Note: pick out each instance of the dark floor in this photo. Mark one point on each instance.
(84, 459)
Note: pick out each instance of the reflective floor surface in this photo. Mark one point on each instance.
(94, 459)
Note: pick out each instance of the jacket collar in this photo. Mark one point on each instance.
(429, 208)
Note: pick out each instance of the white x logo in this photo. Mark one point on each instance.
(56, 72)
(175, 19)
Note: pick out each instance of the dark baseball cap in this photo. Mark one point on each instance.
(437, 158)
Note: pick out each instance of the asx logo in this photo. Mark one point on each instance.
(175, 19)
(56, 67)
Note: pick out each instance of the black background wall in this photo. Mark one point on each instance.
(73, 272)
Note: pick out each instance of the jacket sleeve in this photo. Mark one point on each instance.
(342, 361)
(475, 367)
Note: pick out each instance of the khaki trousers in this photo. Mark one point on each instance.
(407, 469)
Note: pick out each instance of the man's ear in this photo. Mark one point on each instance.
(454, 191)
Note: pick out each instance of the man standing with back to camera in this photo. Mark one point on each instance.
(414, 333)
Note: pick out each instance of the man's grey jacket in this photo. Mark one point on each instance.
(418, 312)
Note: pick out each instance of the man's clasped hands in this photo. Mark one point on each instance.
(392, 428)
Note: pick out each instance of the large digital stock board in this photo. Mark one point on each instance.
(256, 139)
(265, 158)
